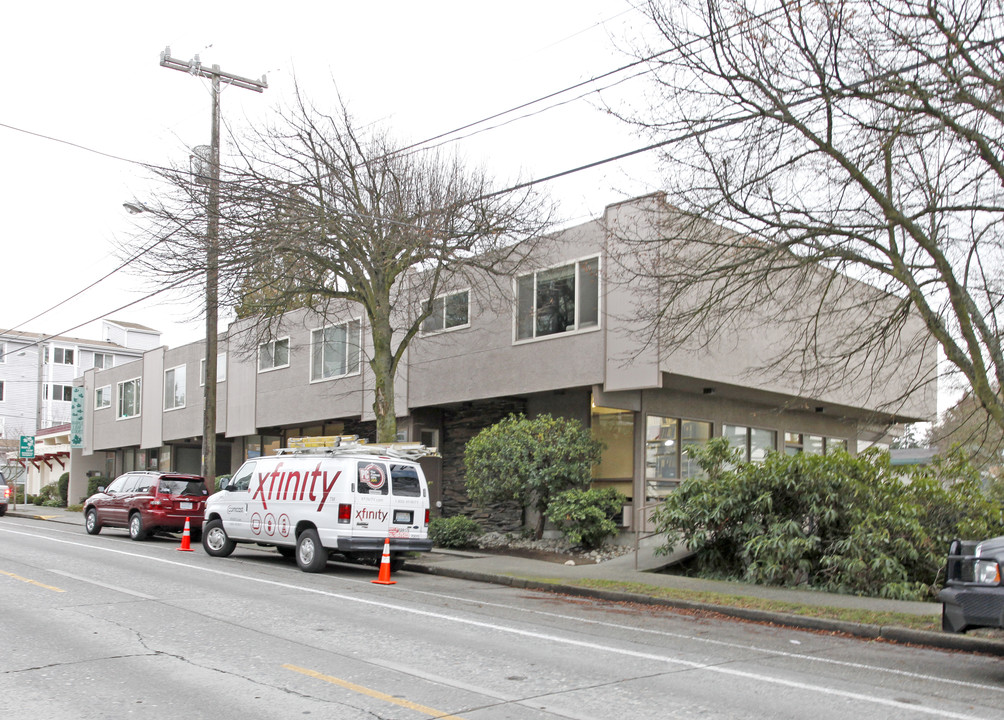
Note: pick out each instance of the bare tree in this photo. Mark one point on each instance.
(852, 152)
(318, 212)
(967, 426)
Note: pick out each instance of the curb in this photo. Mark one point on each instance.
(61, 518)
(892, 633)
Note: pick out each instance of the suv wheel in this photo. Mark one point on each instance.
(136, 529)
(91, 524)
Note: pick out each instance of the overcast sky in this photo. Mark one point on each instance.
(82, 82)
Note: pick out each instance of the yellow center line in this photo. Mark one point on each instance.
(424, 709)
(32, 582)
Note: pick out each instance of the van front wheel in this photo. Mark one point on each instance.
(310, 554)
(215, 540)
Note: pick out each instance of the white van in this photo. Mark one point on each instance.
(309, 502)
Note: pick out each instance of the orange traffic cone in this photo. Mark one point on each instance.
(186, 537)
(384, 578)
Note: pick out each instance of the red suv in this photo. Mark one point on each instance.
(146, 502)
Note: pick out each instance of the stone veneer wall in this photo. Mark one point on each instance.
(460, 425)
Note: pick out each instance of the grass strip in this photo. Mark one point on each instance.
(867, 617)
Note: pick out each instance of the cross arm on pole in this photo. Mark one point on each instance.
(194, 67)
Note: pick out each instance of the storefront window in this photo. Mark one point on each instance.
(755, 443)
(835, 444)
(615, 429)
(812, 444)
(692, 434)
(662, 464)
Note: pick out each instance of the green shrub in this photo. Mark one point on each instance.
(458, 531)
(63, 485)
(49, 496)
(585, 517)
(94, 482)
(529, 460)
(835, 522)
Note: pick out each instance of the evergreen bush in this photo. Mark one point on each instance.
(585, 517)
(836, 522)
(458, 531)
(529, 460)
(64, 488)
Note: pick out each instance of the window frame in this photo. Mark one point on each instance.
(107, 395)
(49, 392)
(105, 357)
(221, 369)
(272, 344)
(841, 444)
(685, 468)
(748, 447)
(445, 298)
(3, 389)
(350, 369)
(138, 402)
(51, 358)
(184, 387)
(578, 325)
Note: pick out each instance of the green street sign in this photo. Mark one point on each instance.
(27, 449)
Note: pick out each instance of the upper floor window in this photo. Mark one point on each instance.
(129, 398)
(3, 353)
(103, 361)
(102, 397)
(274, 354)
(448, 312)
(60, 356)
(558, 300)
(221, 369)
(1, 390)
(334, 350)
(174, 388)
(55, 391)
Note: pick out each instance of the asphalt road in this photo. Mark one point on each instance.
(103, 627)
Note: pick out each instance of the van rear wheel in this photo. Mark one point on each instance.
(310, 554)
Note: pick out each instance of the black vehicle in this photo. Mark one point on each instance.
(973, 596)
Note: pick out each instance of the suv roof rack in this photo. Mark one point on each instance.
(334, 445)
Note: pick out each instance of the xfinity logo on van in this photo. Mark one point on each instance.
(280, 483)
(367, 515)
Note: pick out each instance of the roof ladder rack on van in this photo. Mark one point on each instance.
(350, 445)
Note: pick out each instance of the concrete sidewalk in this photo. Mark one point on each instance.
(646, 587)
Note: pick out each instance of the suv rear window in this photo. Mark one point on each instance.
(182, 487)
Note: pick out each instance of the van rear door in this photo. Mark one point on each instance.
(408, 501)
(371, 512)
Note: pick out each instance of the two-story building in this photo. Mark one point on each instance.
(565, 339)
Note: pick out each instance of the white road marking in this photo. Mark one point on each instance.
(636, 654)
(116, 588)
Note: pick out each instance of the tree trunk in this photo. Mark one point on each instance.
(382, 365)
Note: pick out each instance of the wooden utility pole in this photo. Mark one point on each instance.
(217, 76)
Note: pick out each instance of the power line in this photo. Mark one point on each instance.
(104, 277)
(46, 338)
